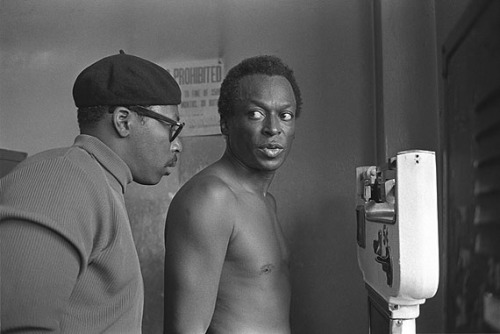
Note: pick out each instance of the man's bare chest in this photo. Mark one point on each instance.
(257, 244)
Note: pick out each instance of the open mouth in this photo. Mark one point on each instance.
(272, 150)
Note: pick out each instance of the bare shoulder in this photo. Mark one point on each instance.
(207, 186)
(203, 201)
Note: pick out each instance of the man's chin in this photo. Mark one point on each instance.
(272, 165)
(150, 181)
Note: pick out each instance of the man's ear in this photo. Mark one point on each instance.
(223, 127)
(121, 118)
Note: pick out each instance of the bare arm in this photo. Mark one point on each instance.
(199, 227)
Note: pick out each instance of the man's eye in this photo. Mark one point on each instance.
(287, 116)
(255, 115)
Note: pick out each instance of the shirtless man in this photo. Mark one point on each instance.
(226, 262)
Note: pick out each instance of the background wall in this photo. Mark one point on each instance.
(329, 44)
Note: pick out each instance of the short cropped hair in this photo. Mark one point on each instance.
(267, 65)
(88, 117)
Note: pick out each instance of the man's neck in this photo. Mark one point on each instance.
(250, 179)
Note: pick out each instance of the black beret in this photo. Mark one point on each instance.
(124, 80)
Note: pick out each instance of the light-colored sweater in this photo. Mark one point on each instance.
(68, 260)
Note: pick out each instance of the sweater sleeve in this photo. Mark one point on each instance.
(37, 280)
(64, 195)
(51, 227)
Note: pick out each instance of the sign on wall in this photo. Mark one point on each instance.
(200, 85)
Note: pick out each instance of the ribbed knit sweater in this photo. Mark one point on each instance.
(68, 261)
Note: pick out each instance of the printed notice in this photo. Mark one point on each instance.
(200, 85)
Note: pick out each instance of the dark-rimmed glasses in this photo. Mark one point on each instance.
(175, 127)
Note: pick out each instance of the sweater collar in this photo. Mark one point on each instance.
(109, 160)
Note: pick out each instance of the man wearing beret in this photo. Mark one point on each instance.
(68, 260)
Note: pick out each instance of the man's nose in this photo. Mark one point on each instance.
(272, 125)
(176, 145)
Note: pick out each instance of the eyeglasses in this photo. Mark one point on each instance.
(175, 127)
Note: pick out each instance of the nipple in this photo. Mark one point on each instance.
(266, 269)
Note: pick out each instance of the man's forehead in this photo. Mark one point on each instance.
(252, 84)
(258, 78)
